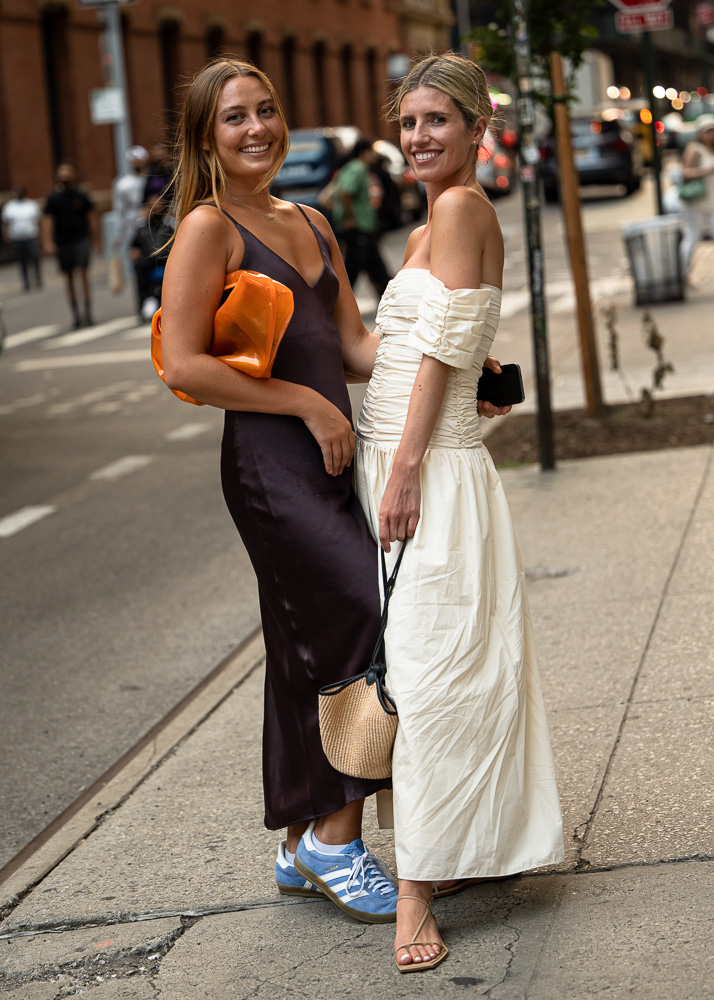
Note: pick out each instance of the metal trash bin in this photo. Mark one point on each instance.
(653, 250)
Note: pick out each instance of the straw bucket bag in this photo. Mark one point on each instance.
(358, 718)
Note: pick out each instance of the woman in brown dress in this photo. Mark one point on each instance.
(286, 455)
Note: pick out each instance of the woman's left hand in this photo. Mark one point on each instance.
(485, 409)
(400, 509)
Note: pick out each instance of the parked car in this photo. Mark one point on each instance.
(495, 172)
(313, 158)
(605, 152)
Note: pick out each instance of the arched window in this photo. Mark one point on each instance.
(57, 80)
(288, 96)
(169, 49)
(318, 61)
(215, 41)
(255, 48)
(373, 90)
(346, 60)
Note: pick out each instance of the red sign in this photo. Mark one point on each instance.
(641, 6)
(704, 13)
(649, 20)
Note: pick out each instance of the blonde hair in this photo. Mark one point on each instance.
(199, 175)
(454, 75)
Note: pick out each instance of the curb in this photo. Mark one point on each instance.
(37, 859)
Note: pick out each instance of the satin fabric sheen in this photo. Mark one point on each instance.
(314, 559)
(475, 791)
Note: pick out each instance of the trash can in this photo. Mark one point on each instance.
(653, 250)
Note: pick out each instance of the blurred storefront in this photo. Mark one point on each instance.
(328, 58)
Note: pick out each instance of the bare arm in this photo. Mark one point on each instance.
(691, 168)
(204, 250)
(359, 346)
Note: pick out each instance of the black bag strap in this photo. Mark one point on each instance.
(377, 669)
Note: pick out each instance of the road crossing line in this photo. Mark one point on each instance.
(91, 333)
(29, 336)
(186, 432)
(84, 360)
(121, 467)
(23, 518)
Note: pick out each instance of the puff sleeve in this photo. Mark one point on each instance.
(450, 322)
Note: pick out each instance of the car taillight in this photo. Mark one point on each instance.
(502, 182)
(500, 160)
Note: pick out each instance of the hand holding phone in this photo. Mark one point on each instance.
(501, 389)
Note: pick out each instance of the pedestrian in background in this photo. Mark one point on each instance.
(21, 228)
(158, 172)
(357, 220)
(149, 252)
(698, 164)
(68, 226)
(128, 199)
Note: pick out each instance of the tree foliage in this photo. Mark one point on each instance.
(554, 26)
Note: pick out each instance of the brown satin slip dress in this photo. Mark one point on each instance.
(307, 539)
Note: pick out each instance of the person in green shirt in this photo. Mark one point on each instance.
(355, 218)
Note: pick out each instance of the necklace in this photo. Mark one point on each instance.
(271, 217)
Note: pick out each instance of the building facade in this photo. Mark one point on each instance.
(329, 59)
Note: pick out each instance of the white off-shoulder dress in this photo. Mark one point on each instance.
(475, 791)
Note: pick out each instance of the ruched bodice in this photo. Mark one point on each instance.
(419, 315)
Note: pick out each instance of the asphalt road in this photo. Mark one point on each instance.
(124, 580)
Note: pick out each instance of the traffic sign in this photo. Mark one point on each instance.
(640, 6)
(106, 105)
(649, 20)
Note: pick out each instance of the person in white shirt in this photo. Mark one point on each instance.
(20, 228)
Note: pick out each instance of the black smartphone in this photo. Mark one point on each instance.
(505, 389)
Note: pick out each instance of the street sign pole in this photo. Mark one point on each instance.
(115, 50)
(648, 68)
(529, 159)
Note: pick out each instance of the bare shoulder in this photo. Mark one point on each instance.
(414, 236)
(457, 202)
(204, 219)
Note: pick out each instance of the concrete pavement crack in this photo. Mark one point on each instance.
(581, 841)
(292, 971)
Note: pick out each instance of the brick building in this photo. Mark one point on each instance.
(329, 60)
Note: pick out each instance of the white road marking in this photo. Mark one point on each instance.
(187, 431)
(122, 467)
(31, 335)
(138, 333)
(84, 360)
(91, 333)
(22, 518)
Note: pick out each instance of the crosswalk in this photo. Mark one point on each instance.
(560, 298)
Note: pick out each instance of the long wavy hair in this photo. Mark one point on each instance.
(199, 175)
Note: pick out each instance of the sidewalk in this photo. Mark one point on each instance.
(171, 894)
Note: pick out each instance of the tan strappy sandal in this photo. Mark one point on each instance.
(430, 963)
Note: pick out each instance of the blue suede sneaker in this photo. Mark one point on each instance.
(356, 880)
(291, 882)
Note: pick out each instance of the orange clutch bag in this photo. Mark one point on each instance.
(250, 322)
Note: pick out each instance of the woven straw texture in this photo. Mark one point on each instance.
(357, 734)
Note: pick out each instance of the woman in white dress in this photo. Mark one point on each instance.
(475, 794)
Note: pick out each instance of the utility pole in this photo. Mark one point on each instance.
(529, 159)
(114, 44)
(648, 70)
(570, 203)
